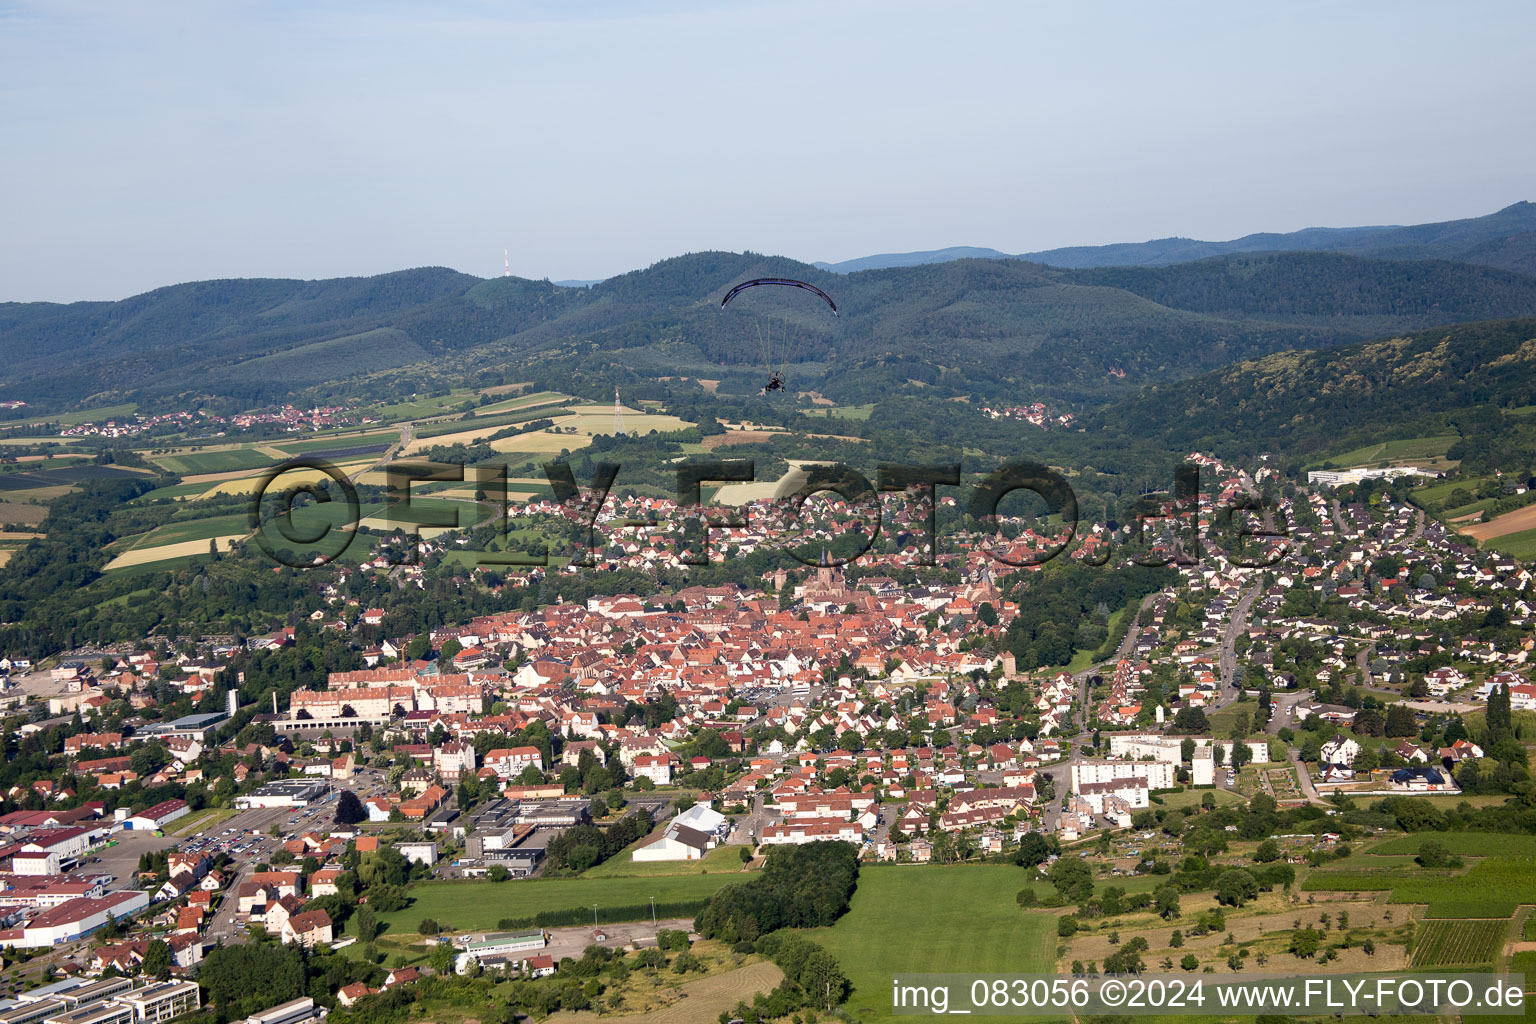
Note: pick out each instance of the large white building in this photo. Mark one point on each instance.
(74, 918)
(498, 947)
(158, 816)
(283, 793)
(1116, 795)
(161, 1002)
(1158, 747)
(689, 836)
(1338, 477)
(1158, 774)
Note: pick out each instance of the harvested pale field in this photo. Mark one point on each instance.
(598, 419)
(698, 1002)
(741, 494)
(1509, 522)
(731, 437)
(766, 490)
(467, 493)
(464, 437)
(248, 481)
(142, 556)
(20, 535)
(5, 556)
(541, 443)
(585, 419)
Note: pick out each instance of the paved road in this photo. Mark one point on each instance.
(1363, 663)
(1127, 646)
(1307, 788)
(1237, 625)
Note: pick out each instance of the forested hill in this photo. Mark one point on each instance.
(1476, 380)
(983, 329)
(1506, 239)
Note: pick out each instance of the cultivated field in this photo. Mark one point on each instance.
(1458, 943)
(521, 402)
(1475, 844)
(699, 1002)
(221, 460)
(1519, 520)
(1494, 886)
(247, 484)
(13, 513)
(143, 556)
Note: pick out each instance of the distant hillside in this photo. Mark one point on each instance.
(985, 329)
(886, 260)
(1506, 239)
(1475, 380)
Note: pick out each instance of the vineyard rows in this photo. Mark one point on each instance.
(1459, 943)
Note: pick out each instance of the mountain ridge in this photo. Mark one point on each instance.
(1472, 239)
(982, 329)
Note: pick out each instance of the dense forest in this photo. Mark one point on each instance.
(1475, 380)
(800, 887)
(983, 328)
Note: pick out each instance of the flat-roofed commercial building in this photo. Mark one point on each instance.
(36, 1010)
(283, 793)
(163, 1001)
(109, 1012)
(296, 1011)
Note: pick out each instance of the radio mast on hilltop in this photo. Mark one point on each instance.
(507, 255)
(618, 413)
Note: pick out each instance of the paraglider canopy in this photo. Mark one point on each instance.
(781, 281)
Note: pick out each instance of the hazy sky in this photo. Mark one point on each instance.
(151, 143)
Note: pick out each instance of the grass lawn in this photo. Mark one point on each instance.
(473, 905)
(208, 817)
(721, 859)
(935, 919)
(1192, 798)
(1448, 801)
(1082, 659)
